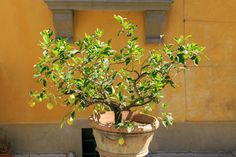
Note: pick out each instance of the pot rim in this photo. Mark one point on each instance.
(139, 129)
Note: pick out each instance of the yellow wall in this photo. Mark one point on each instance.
(205, 94)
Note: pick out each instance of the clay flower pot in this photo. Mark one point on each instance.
(135, 143)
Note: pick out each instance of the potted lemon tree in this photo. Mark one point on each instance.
(122, 85)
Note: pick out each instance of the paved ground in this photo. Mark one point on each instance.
(151, 155)
(40, 155)
(190, 155)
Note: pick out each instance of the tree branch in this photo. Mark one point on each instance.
(136, 89)
(141, 76)
(110, 104)
(114, 63)
(135, 71)
(135, 83)
(134, 104)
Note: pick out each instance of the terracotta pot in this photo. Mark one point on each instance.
(136, 143)
(6, 154)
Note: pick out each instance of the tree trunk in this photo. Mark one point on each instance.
(118, 115)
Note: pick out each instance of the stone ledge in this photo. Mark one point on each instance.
(109, 4)
(155, 14)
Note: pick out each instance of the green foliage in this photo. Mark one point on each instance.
(91, 72)
(167, 119)
(129, 125)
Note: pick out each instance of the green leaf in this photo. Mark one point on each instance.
(132, 97)
(87, 70)
(119, 18)
(44, 83)
(31, 93)
(71, 99)
(196, 60)
(110, 90)
(72, 115)
(141, 101)
(164, 105)
(62, 123)
(36, 75)
(134, 38)
(181, 48)
(147, 108)
(180, 58)
(127, 60)
(99, 32)
(60, 84)
(167, 119)
(74, 52)
(188, 37)
(179, 40)
(120, 96)
(116, 57)
(44, 69)
(109, 41)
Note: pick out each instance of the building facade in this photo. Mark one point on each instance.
(204, 104)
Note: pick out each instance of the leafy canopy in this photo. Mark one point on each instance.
(91, 72)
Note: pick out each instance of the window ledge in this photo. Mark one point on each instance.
(155, 14)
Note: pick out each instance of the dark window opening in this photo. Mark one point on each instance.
(88, 143)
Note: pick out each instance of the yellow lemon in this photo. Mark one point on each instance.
(121, 141)
(69, 121)
(49, 106)
(32, 104)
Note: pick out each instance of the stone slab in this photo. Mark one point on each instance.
(150, 155)
(189, 155)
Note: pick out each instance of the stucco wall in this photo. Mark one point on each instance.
(206, 93)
